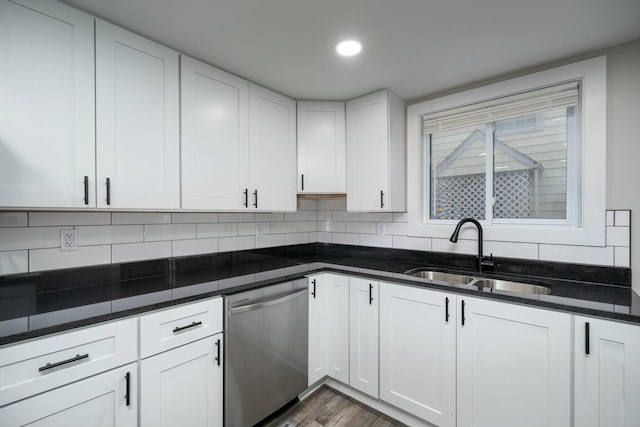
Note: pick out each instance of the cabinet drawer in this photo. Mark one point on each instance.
(167, 329)
(45, 363)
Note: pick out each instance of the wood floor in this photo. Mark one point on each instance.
(328, 407)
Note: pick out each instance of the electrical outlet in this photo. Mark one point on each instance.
(380, 229)
(69, 240)
(259, 231)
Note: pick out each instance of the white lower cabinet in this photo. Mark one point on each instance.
(318, 333)
(607, 373)
(513, 365)
(418, 352)
(363, 331)
(183, 386)
(106, 400)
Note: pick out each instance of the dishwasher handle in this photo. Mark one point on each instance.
(268, 303)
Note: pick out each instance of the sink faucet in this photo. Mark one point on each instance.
(483, 262)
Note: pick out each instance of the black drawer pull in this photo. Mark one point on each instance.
(64, 362)
(381, 199)
(218, 352)
(86, 190)
(182, 328)
(108, 191)
(370, 294)
(127, 396)
(302, 182)
(255, 194)
(314, 288)
(462, 312)
(446, 309)
(587, 343)
(246, 197)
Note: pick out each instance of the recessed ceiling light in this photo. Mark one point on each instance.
(349, 48)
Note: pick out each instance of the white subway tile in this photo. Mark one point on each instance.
(361, 227)
(140, 218)
(13, 262)
(236, 217)
(622, 218)
(313, 237)
(29, 238)
(13, 219)
(396, 228)
(413, 243)
(336, 227)
(469, 247)
(270, 217)
(324, 237)
(376, 216)
(270, 240)
(511, 249)
(193, 217)
(325, 215)
(109, 234)
(249, 228)
(337, 204)
(217, 230)
(284, 227)
(313, 215)
(53, 259)
(307, 226)
(622, 257)
(618, 236)
(577, 254)
(401, 217)
(38, 219)
(297, 216)
(194, 247)
(345, 238)
(345, 216)
(227, 244)
(307, 205)
(610, 218)
(140, 251)
(158, 232)
(375, 240)
(296, 238)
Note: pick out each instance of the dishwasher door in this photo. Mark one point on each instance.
(266, 333)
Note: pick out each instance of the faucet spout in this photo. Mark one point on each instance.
(482, 262)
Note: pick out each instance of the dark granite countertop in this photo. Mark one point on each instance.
(37, 304)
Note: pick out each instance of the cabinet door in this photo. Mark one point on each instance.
(368, 153)
(106, 400)
(272, 151)
(418, 352)
(137, 121)
(215, 139)
(607, 376)
(337, 324)
(47, 104)
(321, 147)
(183, 386)
(317, 329)
(514, 365)
(363, 331)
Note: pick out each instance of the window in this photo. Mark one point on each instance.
(526, 157)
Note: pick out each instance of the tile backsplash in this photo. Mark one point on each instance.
(30, 241)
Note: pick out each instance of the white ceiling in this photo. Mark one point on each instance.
(413, 47)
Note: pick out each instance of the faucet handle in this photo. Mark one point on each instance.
(488, 262)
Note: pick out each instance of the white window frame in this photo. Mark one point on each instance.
(589, 229)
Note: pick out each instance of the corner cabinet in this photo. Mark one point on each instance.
(272, 151)
(321, 147)
(376, 153)
(137, 121)
(607, 374)
(47, 131)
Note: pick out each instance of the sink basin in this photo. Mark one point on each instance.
(505, 285)
(457, 279)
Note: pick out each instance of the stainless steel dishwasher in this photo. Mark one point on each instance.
(266, 351)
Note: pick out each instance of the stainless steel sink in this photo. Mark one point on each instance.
(457, 279)
(505, 285)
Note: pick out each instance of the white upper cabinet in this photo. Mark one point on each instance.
(272, 151)
(607, 373)
(137, 121)
(376, 153)
(215, 137)
(321, 147)
(47, 132)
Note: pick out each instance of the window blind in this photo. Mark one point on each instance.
(548, 98)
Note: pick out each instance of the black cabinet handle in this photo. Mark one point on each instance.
(86, 190)
(381, 199)
(255, 195)
(462, 312)
(587, 343)
(127, 396)
(314, 288)
(218, 351)
(64, 362)
(302, 182)
(108, 191)
(370, 294)
(446, 309)
(182, 328)
(246, 197)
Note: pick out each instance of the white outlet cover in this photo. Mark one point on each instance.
(69, 240)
